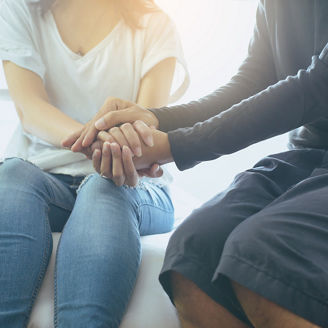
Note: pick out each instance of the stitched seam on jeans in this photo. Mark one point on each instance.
(277, 278)
(139, 207)
(139, 216)
(55, 284)
(42, 269)
(84, 181)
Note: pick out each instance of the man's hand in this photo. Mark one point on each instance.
(115, 161)
(84, 137)
(130, 135)
(122, 167)
(117, 164)
(130, 114)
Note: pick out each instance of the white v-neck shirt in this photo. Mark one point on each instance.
(77, 85)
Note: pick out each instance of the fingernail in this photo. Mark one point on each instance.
(100, 124)
(149, 141)
(138, 151)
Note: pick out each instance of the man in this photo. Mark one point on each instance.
(256, 254)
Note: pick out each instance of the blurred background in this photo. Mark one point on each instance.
(215, 36)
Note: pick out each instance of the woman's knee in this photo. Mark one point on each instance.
(97, 194)
(18, 171)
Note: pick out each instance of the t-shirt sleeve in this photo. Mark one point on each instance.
(17, 36)
(161, 42)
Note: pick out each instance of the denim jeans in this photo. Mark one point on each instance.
(99, 251)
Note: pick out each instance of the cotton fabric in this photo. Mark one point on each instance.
(76, 85)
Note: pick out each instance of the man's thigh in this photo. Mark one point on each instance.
(281, 252)
(196, 247)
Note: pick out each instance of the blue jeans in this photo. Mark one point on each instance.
(99, 251)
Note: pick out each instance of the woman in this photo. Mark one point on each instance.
(62, 60)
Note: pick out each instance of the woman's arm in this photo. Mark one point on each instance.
(155, 87)
(38, 117)
(154, 91)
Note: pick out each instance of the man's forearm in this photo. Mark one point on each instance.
(160, 153)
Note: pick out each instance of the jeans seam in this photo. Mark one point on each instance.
(42, 270)
(155, 206)
(55, 281)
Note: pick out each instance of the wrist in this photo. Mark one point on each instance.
(160, 153)
(162, 148)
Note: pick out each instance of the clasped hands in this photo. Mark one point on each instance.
(115, 139)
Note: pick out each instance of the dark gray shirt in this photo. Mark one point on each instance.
(281, 86)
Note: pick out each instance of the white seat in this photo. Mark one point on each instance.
(149, 306)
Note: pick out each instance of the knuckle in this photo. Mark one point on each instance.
(125, 126)
(114, 130)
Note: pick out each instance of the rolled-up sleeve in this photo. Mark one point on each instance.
(162, 41)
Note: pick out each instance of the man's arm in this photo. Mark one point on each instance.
(282, 107)
(255, 74)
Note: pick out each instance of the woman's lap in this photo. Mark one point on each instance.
(148, 210)
(265, 222)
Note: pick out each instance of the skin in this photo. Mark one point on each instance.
(38, 116)
(195, 308)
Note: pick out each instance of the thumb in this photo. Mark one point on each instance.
(112, 119)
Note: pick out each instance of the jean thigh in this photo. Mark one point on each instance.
(155, 211)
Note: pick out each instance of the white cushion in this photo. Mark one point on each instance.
(149, 306)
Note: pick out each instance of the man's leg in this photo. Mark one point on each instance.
(195, 249)
(280, 253)
(196, 309)
(266, 314)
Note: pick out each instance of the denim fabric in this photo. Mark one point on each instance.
(99, 251)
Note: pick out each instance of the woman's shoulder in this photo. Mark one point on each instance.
(19, 8)
(157, 18)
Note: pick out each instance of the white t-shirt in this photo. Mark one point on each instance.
(77, 85)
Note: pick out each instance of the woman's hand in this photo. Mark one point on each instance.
(122, 167)
(115, 161)
(130, 135)
(85, 136)
(117, 164)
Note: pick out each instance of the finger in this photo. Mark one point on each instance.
(105, 136)
(119, 137)
(145, 132)
(96, 160)
(117, 117)
(90, 136)
(77, 146)
(97, 145)
(132, 138)
(131, 175)
(155, 171)
(106, 161)
(69, 141)
(117, 166)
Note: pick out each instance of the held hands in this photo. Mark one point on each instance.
(116, 147)
(116, 161)
(114, 112)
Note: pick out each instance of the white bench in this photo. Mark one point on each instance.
(149, 306)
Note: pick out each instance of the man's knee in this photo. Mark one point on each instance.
(263, 313)
(196, 308)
